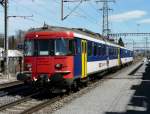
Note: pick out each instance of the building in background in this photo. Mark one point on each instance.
(15, 65)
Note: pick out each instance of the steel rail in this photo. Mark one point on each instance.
(27, 98)
(41, 105)
(10, 84)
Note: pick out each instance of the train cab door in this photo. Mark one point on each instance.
(119, 57)
(107, 56)
(84, 58)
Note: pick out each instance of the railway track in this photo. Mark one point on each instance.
(10, 84)
(41, 105)
(15, 106)
(31, 103)
(14, 93)
(12, 88)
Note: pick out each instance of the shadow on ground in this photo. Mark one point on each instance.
(140, 101)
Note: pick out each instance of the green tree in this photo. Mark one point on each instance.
(120, 42)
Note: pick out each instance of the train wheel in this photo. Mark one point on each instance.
(85, 84)
(75, 86)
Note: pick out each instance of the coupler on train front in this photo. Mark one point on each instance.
(56, 83)
(25, 77)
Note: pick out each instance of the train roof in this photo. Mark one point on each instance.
(64, 29)
(82, 31)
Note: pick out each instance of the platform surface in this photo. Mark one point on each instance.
(122, 94)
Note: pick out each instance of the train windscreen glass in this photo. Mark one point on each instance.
(55, 47)
(43, 47)
(61, 47)
(29, 48)
(64, 47)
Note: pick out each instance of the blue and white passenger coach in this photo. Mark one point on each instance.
(101, 54)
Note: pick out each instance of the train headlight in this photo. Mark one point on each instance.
(58, 66)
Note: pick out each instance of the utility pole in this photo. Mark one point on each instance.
(105, 26)
(62, 9)
(4, 3)
(6, 37)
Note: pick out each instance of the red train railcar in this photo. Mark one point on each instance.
(48, 57)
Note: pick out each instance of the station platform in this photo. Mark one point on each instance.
(121, 94)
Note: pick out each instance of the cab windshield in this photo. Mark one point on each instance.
(61, 47)
(29, 48)
(44, 47)
(57, 47)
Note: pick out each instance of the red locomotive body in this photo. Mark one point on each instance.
(48, 57)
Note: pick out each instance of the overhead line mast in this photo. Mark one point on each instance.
(105, 26)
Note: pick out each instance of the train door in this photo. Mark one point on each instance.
(119, 57)
(107, 55)
(84, 58)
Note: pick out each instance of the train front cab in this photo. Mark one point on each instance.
(44, 63)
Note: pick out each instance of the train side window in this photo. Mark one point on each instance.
(77, 43)
(86, 48)
(120, 52)
(116, 51)
(103, 50)
(124, 53)
(107, 50)
(89, 49)
(83, 47)
(76, 46)
(110, 51)
(72, 47)
(95, 49)
(99, 50)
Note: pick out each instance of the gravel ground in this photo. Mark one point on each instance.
(113, 95)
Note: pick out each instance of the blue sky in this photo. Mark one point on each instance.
(127, 15)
